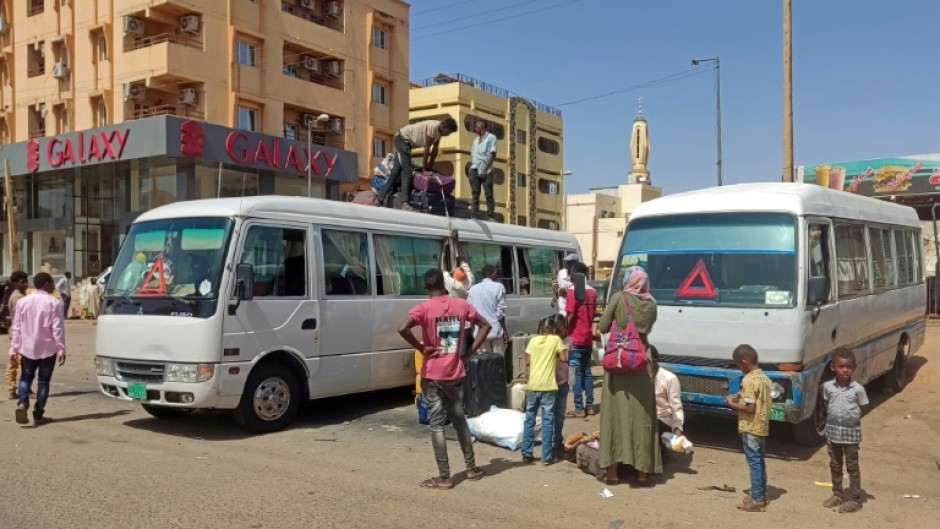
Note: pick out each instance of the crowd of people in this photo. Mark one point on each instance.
(636, 407)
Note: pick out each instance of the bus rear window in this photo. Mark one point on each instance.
(739, 259)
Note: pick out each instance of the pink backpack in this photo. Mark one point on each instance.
(625, 352)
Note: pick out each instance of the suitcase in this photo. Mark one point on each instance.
(588, 460)
(433, 182)
(515, 356)
(440, 205)
(485, 385)
(363, 197)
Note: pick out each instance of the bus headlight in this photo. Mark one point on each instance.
(104, 366)
(189, 372)
(777, 392)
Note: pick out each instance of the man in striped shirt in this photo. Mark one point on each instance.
(38, 336)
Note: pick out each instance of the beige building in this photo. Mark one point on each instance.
(94, 95)
(598, 218)
(528, 170)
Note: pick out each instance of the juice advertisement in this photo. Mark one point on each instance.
(878, 177)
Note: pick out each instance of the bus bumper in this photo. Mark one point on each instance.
(704, 390)
(149, 388)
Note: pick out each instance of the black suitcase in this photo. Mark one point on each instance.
(437, 204)
(485, 384)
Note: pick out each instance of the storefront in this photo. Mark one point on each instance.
(77, 194)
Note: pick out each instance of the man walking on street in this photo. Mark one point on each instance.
(64, 286)
(482, 156)
(442, 319)
(488, 297)
(423, 134)
(38, 336)
(18, 283)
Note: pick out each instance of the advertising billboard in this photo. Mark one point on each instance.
(906, 175)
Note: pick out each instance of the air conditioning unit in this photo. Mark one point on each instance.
(333, 9)
(311, 63)
(188, 96)
(4, 26)
(336, 125)
(310, 4)
(133, 26)
(134, 91)
(332, 68)
(60, 70)
(42, 111)
(189, 23)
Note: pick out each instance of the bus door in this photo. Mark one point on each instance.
(283, 314)
(822, 318)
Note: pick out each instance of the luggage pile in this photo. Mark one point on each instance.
(431, 192)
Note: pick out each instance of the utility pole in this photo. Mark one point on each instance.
(11, 216)
(787, 94)
(717, 61)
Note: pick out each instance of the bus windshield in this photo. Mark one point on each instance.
(172, 257)
(727, 259)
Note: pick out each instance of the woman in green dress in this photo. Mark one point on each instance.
(628, 402)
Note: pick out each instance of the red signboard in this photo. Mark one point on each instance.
(689, 288)
(78, 149)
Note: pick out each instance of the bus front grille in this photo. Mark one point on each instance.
(703, 385)
(136, 372)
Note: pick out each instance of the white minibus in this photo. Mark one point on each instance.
(260, 304)
(793, 270)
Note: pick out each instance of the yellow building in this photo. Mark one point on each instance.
(528, 170)
(97, 91)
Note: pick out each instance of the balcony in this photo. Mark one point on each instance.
(168, 110)
(37, 133)
(152, 40)
(35, 7)
(35, 70)
(314, 15)
(297, 71)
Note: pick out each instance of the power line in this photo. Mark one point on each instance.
(648, 84)
(510, 17)
(475, 15)
(438, 8)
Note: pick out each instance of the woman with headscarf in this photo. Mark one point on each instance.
(628, 404)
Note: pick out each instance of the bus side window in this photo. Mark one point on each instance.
(818, 250)
(279, 257)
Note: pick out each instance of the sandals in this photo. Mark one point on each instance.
(749, 505)
(590, 411)
(474, 474)
(528, 460)
(436, 483)
(579, 414)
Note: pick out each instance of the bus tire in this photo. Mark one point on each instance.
(271, 399)
(896, 378)
(812, 431)
(165, 413)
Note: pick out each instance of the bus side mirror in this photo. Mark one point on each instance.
(817, 291)
(244, 286)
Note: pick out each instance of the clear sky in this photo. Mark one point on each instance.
(866, 78)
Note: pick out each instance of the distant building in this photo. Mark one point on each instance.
(528, 170)
(598, 218)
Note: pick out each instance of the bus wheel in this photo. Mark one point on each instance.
(896, 379)
(271, 399)
(812, 431)
(162, 412)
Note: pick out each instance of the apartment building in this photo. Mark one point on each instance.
(528, 172)
(111, 107)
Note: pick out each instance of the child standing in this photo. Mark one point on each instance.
(562, 375)
(844, 400)
(753, 407)
(542, 354)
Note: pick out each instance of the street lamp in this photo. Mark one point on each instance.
(563, 201)
(321, 119)
(717, 61)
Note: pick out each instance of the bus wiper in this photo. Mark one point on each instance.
(123, 297)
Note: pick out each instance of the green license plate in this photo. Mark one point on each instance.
(776, 414)
(137, 390)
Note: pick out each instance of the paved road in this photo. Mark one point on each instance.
(355, 462)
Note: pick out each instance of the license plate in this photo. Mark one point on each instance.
(776, 414)
(137, 390)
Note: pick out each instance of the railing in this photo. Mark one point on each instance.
(310, 76)
(168, 110)
(311, 15)
(443, 79)
(36, 134)
(151, 40)
(37, 70)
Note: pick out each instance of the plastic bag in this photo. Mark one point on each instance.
(677, 443)
(502, 427)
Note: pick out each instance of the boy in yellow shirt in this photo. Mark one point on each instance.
(541, 355)
(753, 407)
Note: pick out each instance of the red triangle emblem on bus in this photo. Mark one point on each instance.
(705, 289)
(158, 267)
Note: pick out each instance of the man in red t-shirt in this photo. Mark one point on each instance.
(442, 319)
(580, 318)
